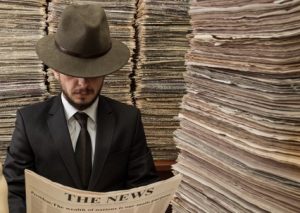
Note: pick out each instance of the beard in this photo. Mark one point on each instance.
(84, 105)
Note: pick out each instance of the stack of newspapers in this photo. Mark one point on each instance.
(240, 119)
(21, 73)
(120, 15)
(162, 27)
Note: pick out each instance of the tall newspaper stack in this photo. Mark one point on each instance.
(120, 15)
(21, 73)
(162, 26)
(239, 135)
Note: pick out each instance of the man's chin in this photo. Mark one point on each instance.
(80, 102)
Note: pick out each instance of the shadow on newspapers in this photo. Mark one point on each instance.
(45, 196)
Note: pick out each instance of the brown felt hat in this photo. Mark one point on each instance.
(82, 46)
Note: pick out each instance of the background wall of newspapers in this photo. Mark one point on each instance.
(223, 74)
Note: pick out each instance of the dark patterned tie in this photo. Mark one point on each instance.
(83, 150)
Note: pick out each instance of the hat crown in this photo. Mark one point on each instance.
(83, 31)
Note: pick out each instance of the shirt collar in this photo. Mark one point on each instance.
(70, 110)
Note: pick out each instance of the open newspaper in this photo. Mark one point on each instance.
(45, 196)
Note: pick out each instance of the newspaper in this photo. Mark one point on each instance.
(3, 192)
(45, 196)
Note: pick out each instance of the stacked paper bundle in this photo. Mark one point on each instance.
(162, 27)
(239, 135)
(120, 15)
(21, 73)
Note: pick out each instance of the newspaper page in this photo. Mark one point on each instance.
(45, 196)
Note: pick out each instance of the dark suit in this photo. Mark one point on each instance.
(41, 142)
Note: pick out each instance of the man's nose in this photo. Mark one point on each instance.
(82, 81)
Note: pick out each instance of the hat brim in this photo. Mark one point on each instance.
(67, 64)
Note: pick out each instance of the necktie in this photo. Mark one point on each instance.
(83, 150)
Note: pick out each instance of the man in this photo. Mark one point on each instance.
(79, 138)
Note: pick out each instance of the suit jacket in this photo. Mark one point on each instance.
(41, 142)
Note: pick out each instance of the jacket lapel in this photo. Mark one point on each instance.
(105, 127)
(60, 133)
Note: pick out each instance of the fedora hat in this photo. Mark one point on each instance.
(82, 46)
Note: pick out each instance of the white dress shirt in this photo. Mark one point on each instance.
(73, 125)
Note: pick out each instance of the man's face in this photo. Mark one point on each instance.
(80, 92)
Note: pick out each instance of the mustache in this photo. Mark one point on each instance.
(83, 91)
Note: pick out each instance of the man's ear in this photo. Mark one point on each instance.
(56, 74)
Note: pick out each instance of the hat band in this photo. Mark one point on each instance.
(62, 49)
